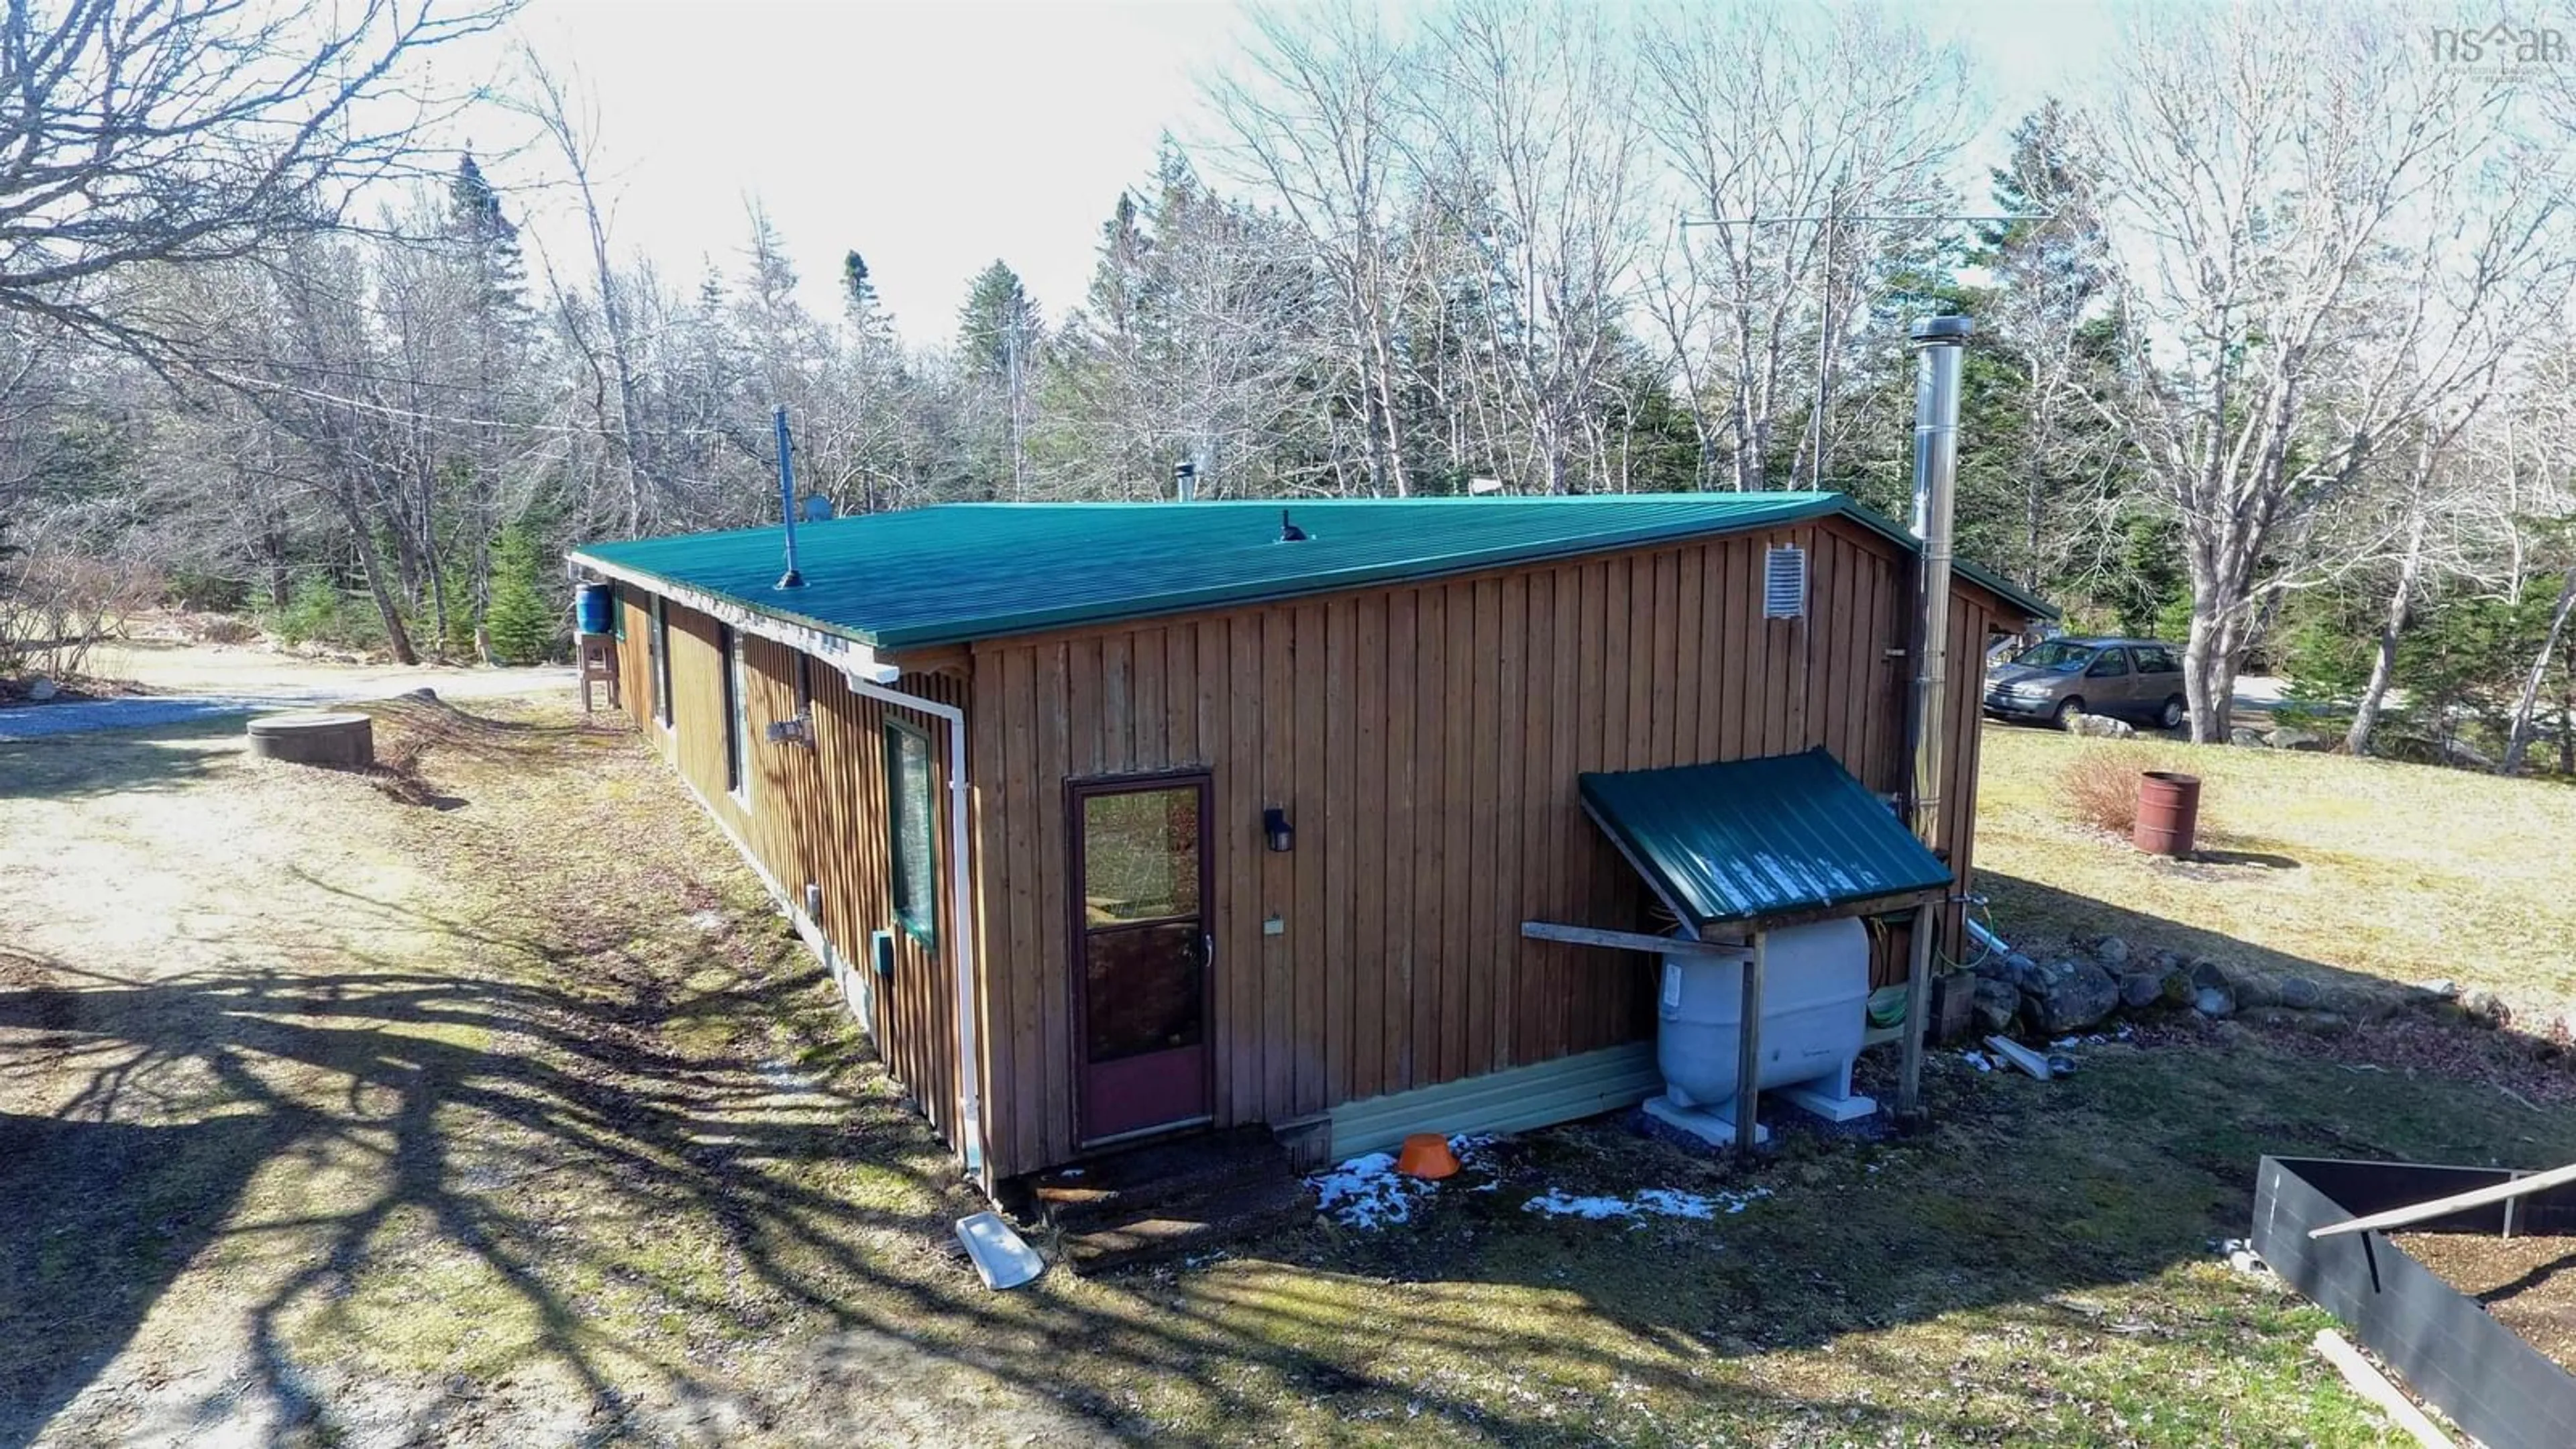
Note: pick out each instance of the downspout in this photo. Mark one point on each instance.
(1940, 344)
(868, 676)
(970, 1095)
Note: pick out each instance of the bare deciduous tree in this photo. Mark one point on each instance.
(2315, 243)
(190, 131)
(1776, 120)
(1313, 121)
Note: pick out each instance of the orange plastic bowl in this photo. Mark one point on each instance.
(1426, 1154)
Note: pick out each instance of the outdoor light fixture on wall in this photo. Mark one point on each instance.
(1275, 829)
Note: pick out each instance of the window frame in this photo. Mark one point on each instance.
(663, 713)
(919, 920)
(733, 661)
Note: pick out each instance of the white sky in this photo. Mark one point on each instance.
(936, 137)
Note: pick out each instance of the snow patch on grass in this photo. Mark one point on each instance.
(1367, 1191)
(1653, 1201)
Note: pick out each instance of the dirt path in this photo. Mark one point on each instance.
(329, 1119)
(187, 684)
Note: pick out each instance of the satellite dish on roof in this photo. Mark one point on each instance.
(816, 509)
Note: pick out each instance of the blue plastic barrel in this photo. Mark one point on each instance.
(594, 608)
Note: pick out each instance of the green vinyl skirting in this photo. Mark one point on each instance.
(1514, 1100)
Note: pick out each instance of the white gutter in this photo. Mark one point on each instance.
(848, 655)
(868, 675)
(970, 1096)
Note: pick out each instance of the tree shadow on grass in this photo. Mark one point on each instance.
(630, 1165)
(102, 1216)
(632, 1209)
(86, 766)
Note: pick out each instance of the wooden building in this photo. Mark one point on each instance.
(1122, 820)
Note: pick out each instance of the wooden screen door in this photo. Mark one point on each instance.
(1140, 954)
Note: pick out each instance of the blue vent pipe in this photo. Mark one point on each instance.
(787, 501)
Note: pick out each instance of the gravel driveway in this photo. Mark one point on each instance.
(35, 721)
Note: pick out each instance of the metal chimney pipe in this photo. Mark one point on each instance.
(1185, 481)
(1940, 343)
(786, 500)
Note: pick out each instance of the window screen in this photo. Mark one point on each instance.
(737, 713)
(911, 839)
(661, 642)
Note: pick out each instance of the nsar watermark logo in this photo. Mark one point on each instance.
(2503, 47)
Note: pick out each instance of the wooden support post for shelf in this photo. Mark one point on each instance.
(1918, 993)
(1748, 1056)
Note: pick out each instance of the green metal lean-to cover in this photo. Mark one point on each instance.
(953, 572)
(1752, 839)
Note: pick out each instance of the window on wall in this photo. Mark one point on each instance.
(661, 645)
(912, 839)
(737, 706)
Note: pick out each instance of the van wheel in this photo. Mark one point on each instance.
(2176, 710)
(2067, 709)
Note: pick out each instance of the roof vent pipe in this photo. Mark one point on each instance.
(786, 500)
(1940, 343)
(1185, 481)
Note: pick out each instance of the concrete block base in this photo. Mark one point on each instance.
(1705, 1123)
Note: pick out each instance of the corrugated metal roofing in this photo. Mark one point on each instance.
(1765, 837)
(960, 571)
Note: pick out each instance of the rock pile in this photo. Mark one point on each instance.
(2078, 989)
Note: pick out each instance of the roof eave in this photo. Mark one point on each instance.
(1974, 572)
(844, 649)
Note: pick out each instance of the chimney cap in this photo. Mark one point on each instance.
(1950, 328)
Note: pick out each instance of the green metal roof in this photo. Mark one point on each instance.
(1766, 837)
(960, 571)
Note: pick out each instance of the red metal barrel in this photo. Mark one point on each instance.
(2168, 813)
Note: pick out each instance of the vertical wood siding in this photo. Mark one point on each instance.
(1425, 742)
(816, 815)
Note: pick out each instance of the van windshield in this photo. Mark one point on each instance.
(2056, 654)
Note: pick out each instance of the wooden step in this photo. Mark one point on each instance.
(1111, 1189)
(1191, 1225)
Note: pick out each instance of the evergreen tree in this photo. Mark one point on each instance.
(521, 624)
(487, 237)
(997, 336)
(998, 324)
(857, 292)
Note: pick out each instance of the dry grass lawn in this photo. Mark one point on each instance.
(514, 1117)
(2398, 872)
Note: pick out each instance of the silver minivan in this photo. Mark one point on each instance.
(2057, 679)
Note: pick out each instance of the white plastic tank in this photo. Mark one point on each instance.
(1815, 995)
